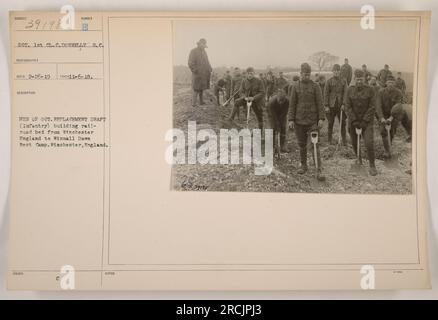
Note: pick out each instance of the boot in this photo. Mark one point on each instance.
(201, 98)
(344, 140)
(373, 170)
(319, 176)
(283, 147)
(387, 153)
(303, 156)
(302, 169)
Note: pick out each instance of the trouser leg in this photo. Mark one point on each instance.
(301, 133)
(257, 108)
(384, 134)
(237, 104)
(407, 125)
(195, 97)
(331, 120)
(216, 94)
(368, 136)
(394, 125)
(283, 129)
(343, 127)
(353, 137)
(201, 97)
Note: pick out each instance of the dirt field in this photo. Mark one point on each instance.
(336, 163)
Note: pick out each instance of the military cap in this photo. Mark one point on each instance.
(364, 65)
(359, 73)
(305, 68)
(336, 67)
(250, 69)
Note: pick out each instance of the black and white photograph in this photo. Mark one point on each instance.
(304, 105)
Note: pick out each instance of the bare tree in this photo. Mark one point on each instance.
(323, 60)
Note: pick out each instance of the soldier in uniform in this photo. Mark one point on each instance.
(400, 83)
(295, 80)
(383, 75)
(252, 89)
(228, 79)
(306, 114)
(368, 74)
(373, 84)
(278, 107)
(346, 72)
(387, 98)
(282, 81)
(321, 82)
(236, 85)
(219, 87)
(270, 84)
(360, 109)
(334, 95)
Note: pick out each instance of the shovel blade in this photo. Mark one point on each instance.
(359, 169)
(392, 162)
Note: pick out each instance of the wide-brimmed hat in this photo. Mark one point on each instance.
(202, 41)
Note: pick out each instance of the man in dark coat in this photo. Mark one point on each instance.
(387, 98)
(360, 109)
(252, 89)
(278, 106)
(306, 115)
(334, 95)
(346, 72)
(201, 71)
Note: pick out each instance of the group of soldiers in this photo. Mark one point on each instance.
(354, 98)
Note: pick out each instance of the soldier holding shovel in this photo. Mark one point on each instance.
(306, 116)
(334, 96)
(360, 109)
(387, 98)
(252, 93)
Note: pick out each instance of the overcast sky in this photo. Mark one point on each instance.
(289, 43)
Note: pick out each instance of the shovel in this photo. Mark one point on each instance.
(228, 101)
(314, 140)
(340, 132)
(277, 153)
(358, 167)
(248, 110)
(392, 161)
